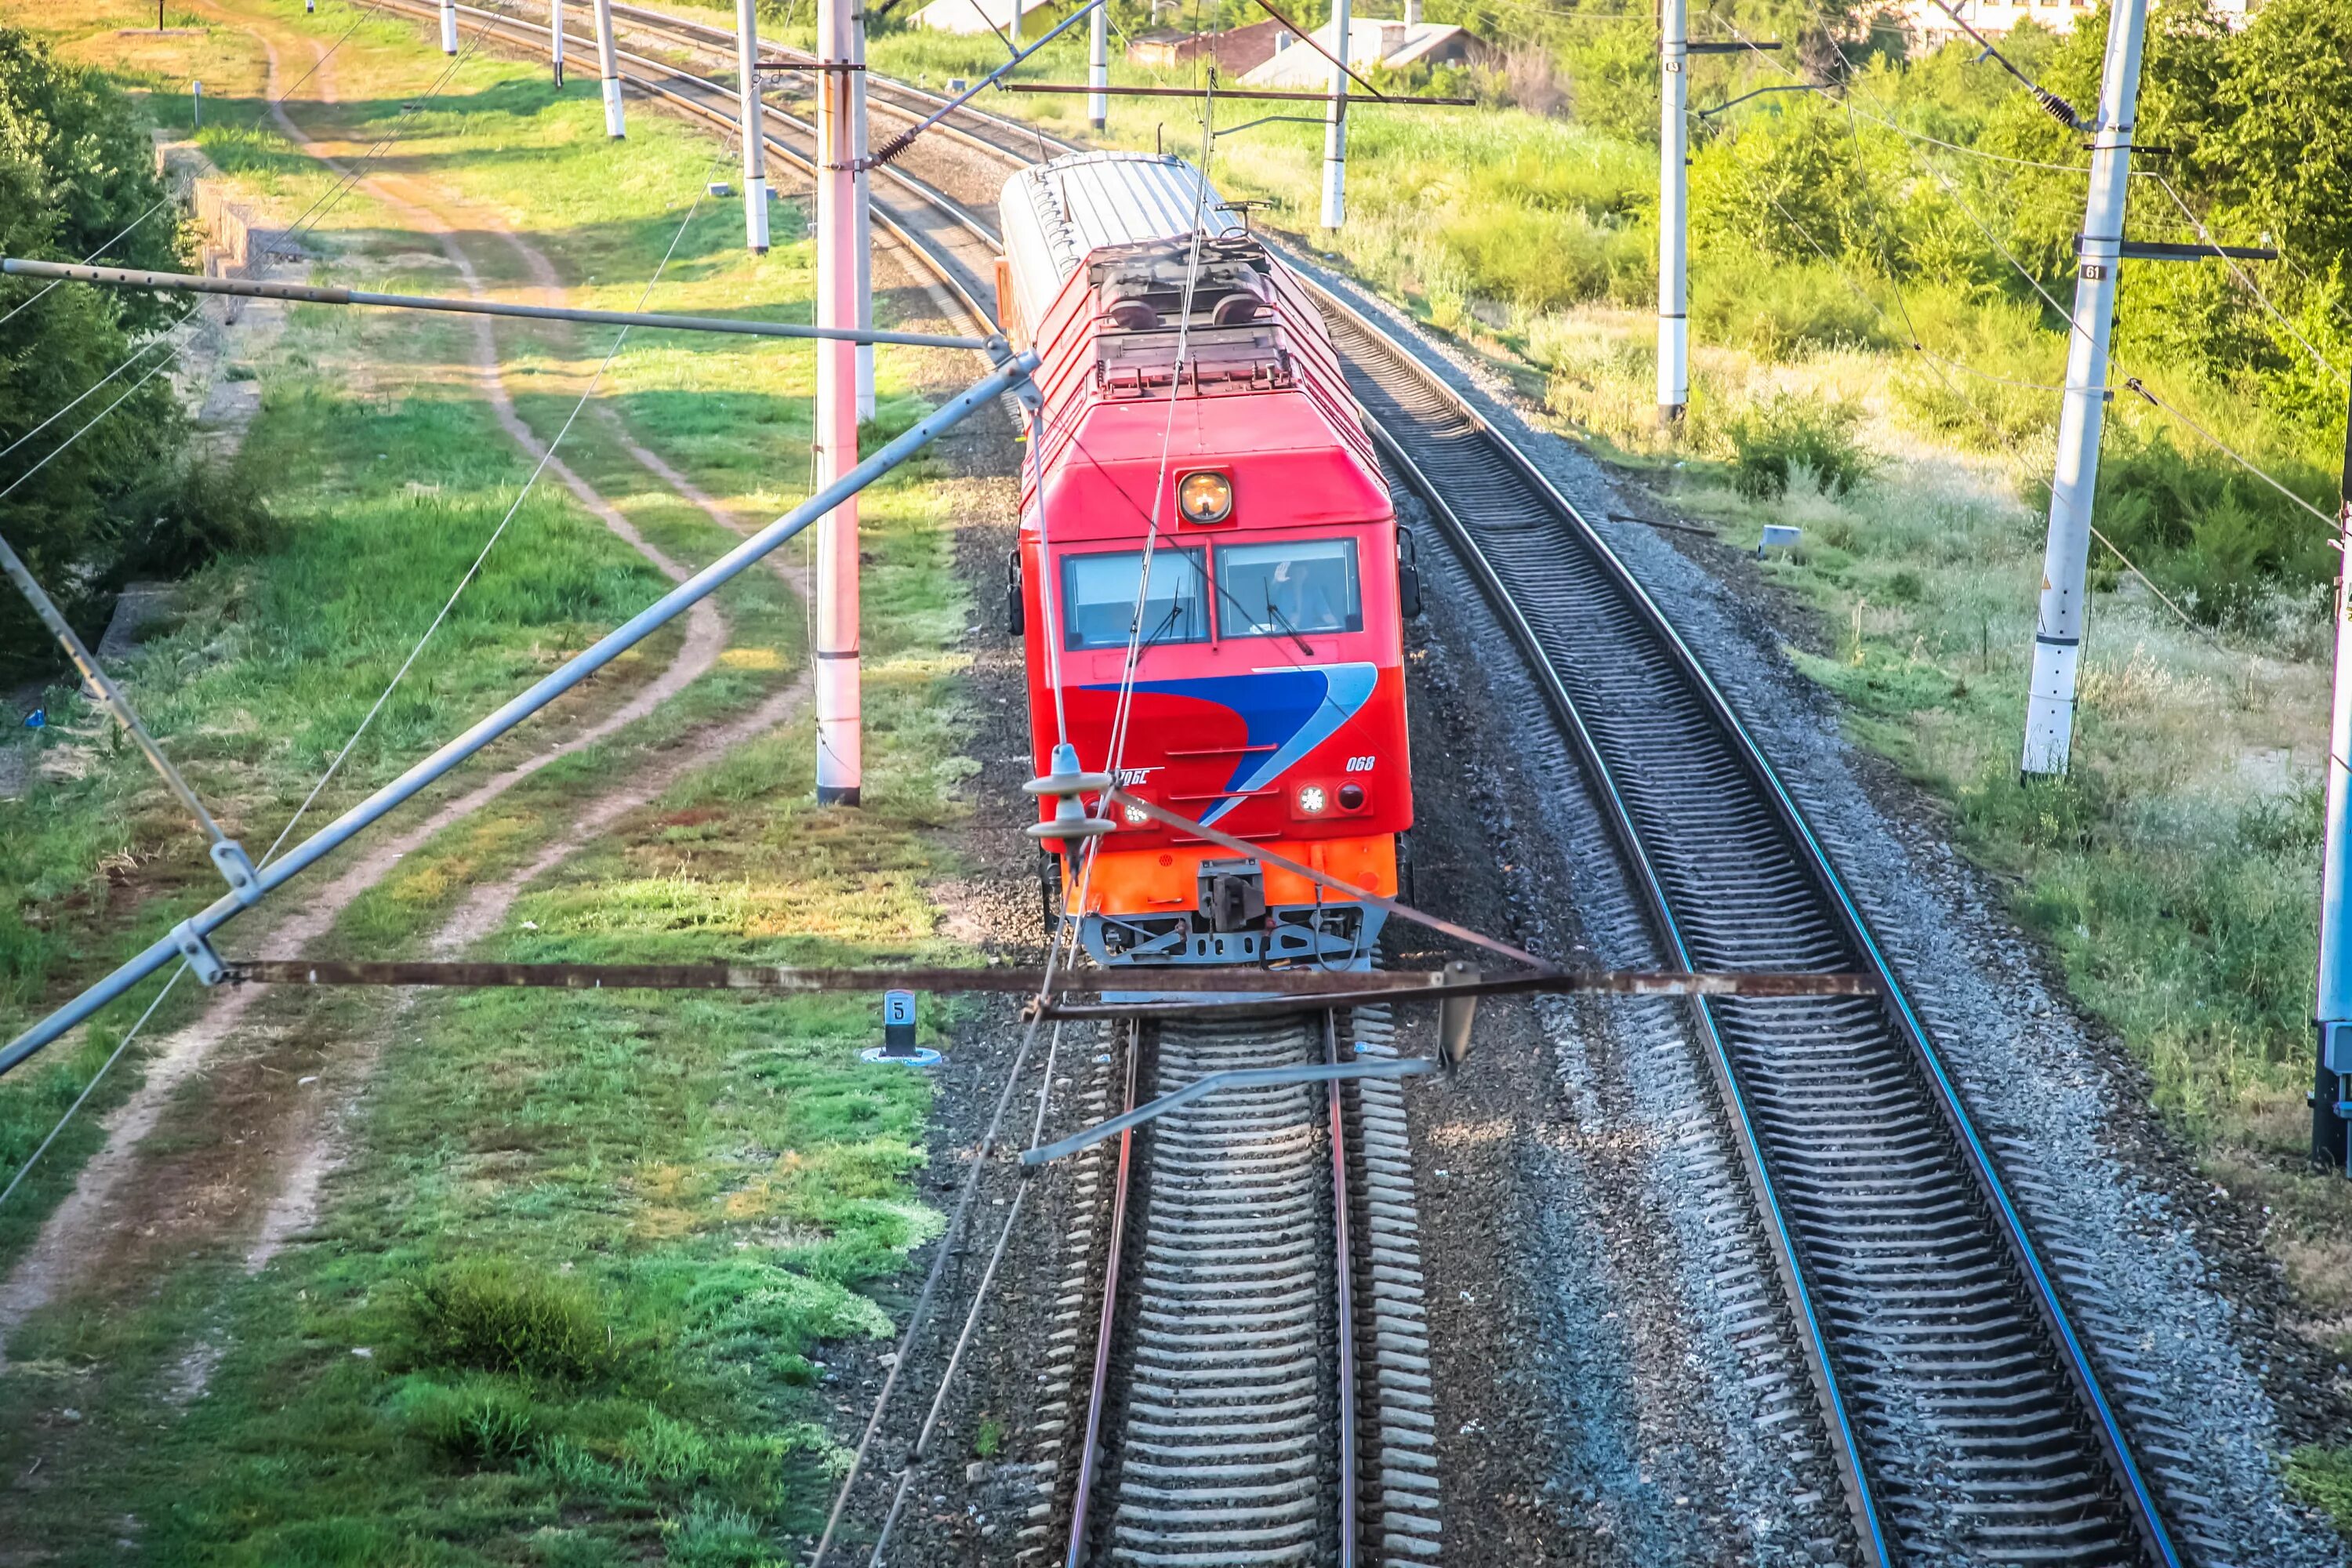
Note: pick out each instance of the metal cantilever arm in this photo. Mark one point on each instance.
(189, 937)
(311, 294)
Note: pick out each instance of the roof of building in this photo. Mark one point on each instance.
(1372, 41)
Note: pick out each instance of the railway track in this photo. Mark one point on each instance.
(1970, 1420)
(1957, 1395)
(1238, 1372)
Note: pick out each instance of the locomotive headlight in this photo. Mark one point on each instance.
(1205, 498)
(1310, 799)
(1136, 817)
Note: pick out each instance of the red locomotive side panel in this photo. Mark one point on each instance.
(1210, 589)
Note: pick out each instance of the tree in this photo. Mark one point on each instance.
(75, 171)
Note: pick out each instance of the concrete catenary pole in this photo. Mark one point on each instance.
(1098, 68)
(2058, 629)
(1335, 125)
(555, 38)
(859, 145)
(839, 762)
(608, 66)
(448, 26)
(2334, 1012)
(1673, 209)
(755, 147)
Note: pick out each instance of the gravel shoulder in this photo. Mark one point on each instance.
(2165, 1274)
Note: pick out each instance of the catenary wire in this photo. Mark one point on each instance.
(91, 1087)
(2075, 327)
(166, 201)
(546, 457)
(2247, 282)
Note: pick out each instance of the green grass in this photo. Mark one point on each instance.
(570, 1298)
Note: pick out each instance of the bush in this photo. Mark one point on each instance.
(1787, 436)
(2202, 525)
(480, 1421)
(493, 1316)
(1778, 309)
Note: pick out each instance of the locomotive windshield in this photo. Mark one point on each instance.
(1283, 589)
(1098, 598)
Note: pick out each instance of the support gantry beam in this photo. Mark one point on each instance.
(190, 938)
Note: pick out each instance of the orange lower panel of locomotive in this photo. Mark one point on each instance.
(1205, 904)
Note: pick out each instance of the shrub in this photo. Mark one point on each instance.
(1777, 309)
(497, 1317)
(1787, 436)
(479, 1421)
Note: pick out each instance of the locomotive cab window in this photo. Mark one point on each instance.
(1283, 589)
(1098, 598)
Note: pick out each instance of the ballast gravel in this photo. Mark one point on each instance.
(2165, 1280)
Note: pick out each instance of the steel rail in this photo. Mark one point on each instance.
(2073, 1362)
(1099, 1389)
(1781, 1239)
(1343, 1273)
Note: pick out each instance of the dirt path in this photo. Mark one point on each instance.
(80, 1236)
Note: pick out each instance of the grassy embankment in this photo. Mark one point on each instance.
(564, 1296)
(2173, 875)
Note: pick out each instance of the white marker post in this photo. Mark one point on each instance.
(755, 149)
(839, 759)
(859, 145)
(608, 66)
(1335, 127)
(448, 26)
(2058, 629)
(1098, 67)
(1673, 210)
(555, 38)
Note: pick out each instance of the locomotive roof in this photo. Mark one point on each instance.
(1056, 213)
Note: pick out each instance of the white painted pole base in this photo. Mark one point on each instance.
(615, 126)
(755, 213)
(555, 38)
(840, 767)
(1335, 192)
(1673, 367)
(2049, 707)
(448, 26)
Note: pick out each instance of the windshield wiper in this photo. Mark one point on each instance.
(1279, 618)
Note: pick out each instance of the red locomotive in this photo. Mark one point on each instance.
(1266, 695)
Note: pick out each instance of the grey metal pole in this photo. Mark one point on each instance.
(2332, 1011)
(1098, 68)
(840, 769)
(555, 38)
(608, 66)
(1673, 209)
(863, 201)
(1335, 126)
(755, 147)
(2058, 627)
(86, 662)
(189, 938)
(448, 26)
